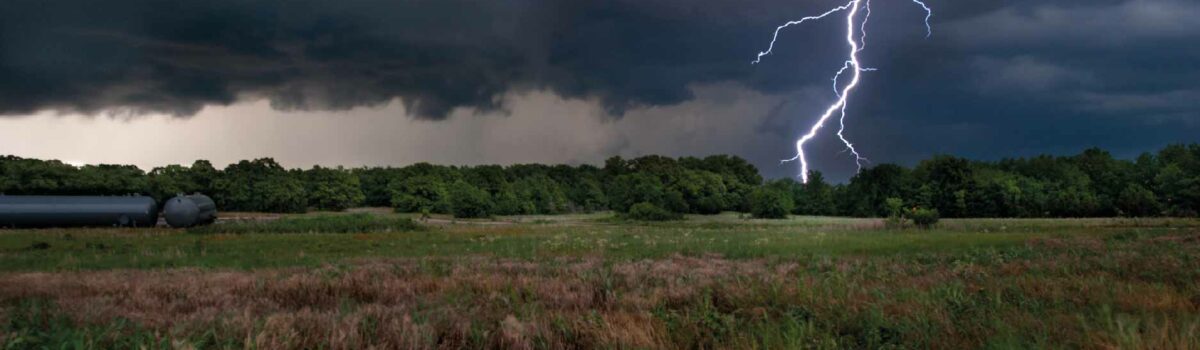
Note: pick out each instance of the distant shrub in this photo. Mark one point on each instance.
(895, 209)
(646, 211)
(768, 202)
(924, 218)
(348, 223)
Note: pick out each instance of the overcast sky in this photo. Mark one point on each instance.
(373, 82)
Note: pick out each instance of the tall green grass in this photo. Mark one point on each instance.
(39, 324)
(327, 223)
(316, 240)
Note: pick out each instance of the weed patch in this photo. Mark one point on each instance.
(342, 223)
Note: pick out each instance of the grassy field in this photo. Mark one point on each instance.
(375, 279)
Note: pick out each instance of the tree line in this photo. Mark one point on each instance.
(1090, 184)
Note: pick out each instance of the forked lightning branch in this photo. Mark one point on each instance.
(858, 13)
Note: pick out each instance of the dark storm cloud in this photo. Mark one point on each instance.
(996, 78)
(179, 56)
(176, 57)
(1028, 77)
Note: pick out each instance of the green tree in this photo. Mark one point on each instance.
(37, 177)
(109, 180)
(771, 201)
(1092, 183)
(373, 183)
(419, 194)
(587, 195)
(468, 201)
(629, 189)
(737, 168)
(1180, 191)
(1071, 195)
(171, 180)
(868, 190)
(506, 201)
(1074, 201)
(951, 180)
(259, 185)
(204, 175)
(332, 188)
(704, 191)
(543, 193)
(1137, 201)
(815, 197)
(1107, 177)
(997, 194)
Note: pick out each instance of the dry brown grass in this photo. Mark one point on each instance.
(1073, 292)
(295, 308)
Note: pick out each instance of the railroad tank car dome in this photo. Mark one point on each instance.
(190, 210)
(181, 212)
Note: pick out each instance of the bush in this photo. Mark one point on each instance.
(468, 201)
(895, 209)
(349, 223)
(770, 203)
(924, 218)
(646, 211)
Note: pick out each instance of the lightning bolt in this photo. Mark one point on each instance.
(852, 63)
